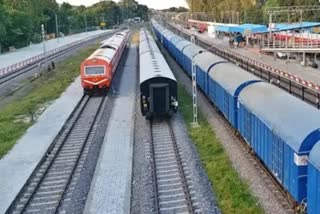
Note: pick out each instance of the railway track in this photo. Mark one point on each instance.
(37, 64)
(282, 196)
(174, 192)
(50, 185)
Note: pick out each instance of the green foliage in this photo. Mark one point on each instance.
(46, 88)
(233, 194)
(254, 15)
(4, 21)
(19, 29)
(175, 9)
(20, 20)
(107, 11)
(252, 11)
(293, 17)
(36, 38)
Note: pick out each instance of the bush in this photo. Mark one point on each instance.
(36, 38)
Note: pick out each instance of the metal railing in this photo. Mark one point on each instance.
(25, 63)
(305, 90)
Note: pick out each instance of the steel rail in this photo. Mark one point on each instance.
(168, 171)
(46, 186)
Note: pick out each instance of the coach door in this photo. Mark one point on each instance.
(277, 157)
(159, 98)
(226, 104)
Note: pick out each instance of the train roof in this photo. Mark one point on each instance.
(109, 47)
(168, 35)
(176, 39)
(114, 41)
(144, 44)
(314, 157)
(145, 47)
(295, 121)
(205, 60)
(190, 50)
(152, 63)
(231, 77)
(103, 54)
(181, 45)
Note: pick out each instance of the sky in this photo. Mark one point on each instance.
(156, 4)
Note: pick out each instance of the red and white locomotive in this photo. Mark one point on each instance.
(98, 69)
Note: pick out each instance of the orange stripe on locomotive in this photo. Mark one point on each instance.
(98, 69)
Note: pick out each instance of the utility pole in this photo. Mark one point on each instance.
(122, 13)
(44, 43)
(194, 85)
(127, 9)
(57, 28)
(192, 9)
(270, 29)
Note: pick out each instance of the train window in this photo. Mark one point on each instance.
(108, 46)
(94, 70)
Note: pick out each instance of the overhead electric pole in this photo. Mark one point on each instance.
(44, 43)
(57, 28)
(85, 22)
(194, 84)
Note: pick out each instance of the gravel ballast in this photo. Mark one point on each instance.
(142, 183)
(199, 178)
(238, 154)
(143, 197)
(75, 199)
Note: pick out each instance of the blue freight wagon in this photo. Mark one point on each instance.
(204, 63)
(313, 187)
(281, 129)
(181, 46)
(226, 81)
(188, 53)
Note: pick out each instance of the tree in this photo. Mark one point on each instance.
(65, 11)
(251, 10)
(20, 20)
(107, 11)
(174, 9)
(19, 32)
(3, 24)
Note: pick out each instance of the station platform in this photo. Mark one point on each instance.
(20, 162)
(11, 58)
(110, 190)
(291, 66)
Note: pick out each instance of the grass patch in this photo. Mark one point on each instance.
(47, 88)
(233, 194)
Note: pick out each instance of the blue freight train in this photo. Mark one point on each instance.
(281, 129)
